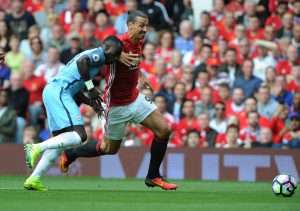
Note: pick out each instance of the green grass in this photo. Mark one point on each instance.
(94, 194)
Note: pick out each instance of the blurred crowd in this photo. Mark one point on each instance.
(230, 81)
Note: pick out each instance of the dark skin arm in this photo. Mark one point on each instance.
(84, 65)
(81, 98)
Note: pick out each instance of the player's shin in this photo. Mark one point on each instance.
(158, 151)
(89, 149)
(62, 140)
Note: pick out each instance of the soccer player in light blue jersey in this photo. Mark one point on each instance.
(64, 118)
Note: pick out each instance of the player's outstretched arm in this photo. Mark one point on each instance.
(84, 65)
(129, 59)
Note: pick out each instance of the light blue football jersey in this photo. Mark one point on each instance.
(69, 77)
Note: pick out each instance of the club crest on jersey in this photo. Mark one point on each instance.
(96, 57)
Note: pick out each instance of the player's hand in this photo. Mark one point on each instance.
(98, 110)
(145, 83)
(129, 59)
(2, 55)
(94, 96)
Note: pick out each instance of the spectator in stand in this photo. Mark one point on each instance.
(233, 120)
(76, 26)
(33, 6)
(30, 135)
(14, 57)
(41, 16)
(165, 45)
(296, 103)
(114, 7)
(51, 67)
(93, 7)
(284, 43)
(296, 11)
(19, 20)
(285, 67)
(194, 57)
(66, 17)
(205, 54)
(4, 36)
(34, 85)
(2, 13)
(188, 78)
(291, 139)
(296, 37)
(120, 24)
(184, 42)
(265, 139)
(205, 21)
(265, 104)
(224, 93)
(231, 67)
(4, 76)
(279, 91)
(46, 32)
(58, 38)
(275, 18)
(8, 120)
(263, 61)
(206, 104)
(279, 124)
(243, 50)
(159, 78)
(251, 133)
(218, 11)
(270, 77)
(250, 106)
(18, 97)
(202, 82)
(179, 92)
(103, 27)
(147, 65)
(293, 79)
(193, 139)
(235, 6)
(230, 139)
(157, 14)
(248, 82)
(187, 123)
(218, 122)
(250, 10)
(227, 26)
(287, 26)
(237, 105)
(212, 37)
(239, 33)
(167, 91)
(222, 47)
(254, 31)
(161, 103)
(89, 41)
(25, 47)
(207, 135)
(38, 56)
(75, 48)
(175, 65)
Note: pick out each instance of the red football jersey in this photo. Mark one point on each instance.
(121, 81)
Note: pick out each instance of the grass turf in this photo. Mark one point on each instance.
(90, 193)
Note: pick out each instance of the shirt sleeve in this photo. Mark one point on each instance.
(97, 57)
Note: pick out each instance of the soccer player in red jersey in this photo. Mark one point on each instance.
(125, 103)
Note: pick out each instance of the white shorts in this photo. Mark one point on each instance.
(117, 117)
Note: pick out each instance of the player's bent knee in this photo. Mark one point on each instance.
(164, 133)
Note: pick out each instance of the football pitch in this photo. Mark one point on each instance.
(91, 193)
